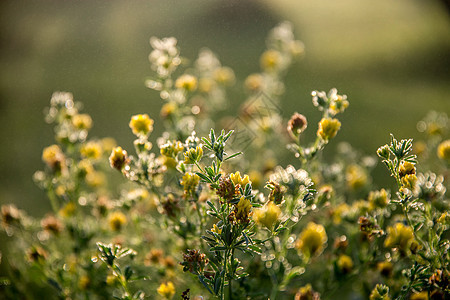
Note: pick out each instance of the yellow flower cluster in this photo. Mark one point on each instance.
(243, 209)
(193, 155)
(270, 60)
(171, 148)
(190, 182)
(186, 82)
(328, 128)
(54, 157)
(82, 121)
(344, 264)
(141, 125)
(378, 199)
(356, 177)
(116, 220)
(443, 150)
(312, 239)
(237, 179)
(118, 158)
(399, 236)
(267, 215)
(92, 150)
(167, 290)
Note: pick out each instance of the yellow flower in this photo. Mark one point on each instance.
(91, 150)
(328, 128)
(193, 155)
(254, 82)
(168, 109)
(255, 177)
(399, 236)
(67, 210)
(141, 124)
(82, 121)
(339, 212)
(237, 179)
(118, 158)
(443, 150)
(380, 292)
(167, 290)
(356, 177)
(189, 182)
(378, 199)
(116, 220)
(307, 293)
(95, 179)
(186, 82)
(406, 168)
(224, 75)
(54, 157)
(312, 239)
(171, 148)
(385, 268)
(271, 60)
(243, 209)
(267, 215)
(409, 181)
(206, 85)
(345, 263)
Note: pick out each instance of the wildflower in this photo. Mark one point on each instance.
(118, 158)
(190, 182)
(84, 282)
(10, 215)
(268, 215)
(111, 280)
(237, 179)
(168, 109)
(385, 268)
(51, 224)
(340, 212)
(171, 148)
(369, 227)
(186, 82)
(82, 121)
(355, 176)
(409, 181)
(68, 210)
(54, 158)
(406, 168)
(226, 189)
(167, 290)
(242, 210)
(338, 102)
(297, 124)
(84, 167)
(312, 239)
(443, 150)
(276, 191)
(344, 264)
(270, 60)
(328, 128)
(307, 293)
(36, 254)
(378, 199)
(224, 75)
(141, 125)
(193, 155)
(117, 220)
(92, 150)
(155, 256)
(399, 236)
(380, 292)
(194, 261)
(254, 82)
(419, 296)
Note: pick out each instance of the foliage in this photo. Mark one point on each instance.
(185, 221)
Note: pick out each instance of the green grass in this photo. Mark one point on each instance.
(390, 58)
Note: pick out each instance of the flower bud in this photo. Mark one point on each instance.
(383, 152)
(297, 124)
(118, 158)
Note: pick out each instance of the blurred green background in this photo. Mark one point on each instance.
(392, 59)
